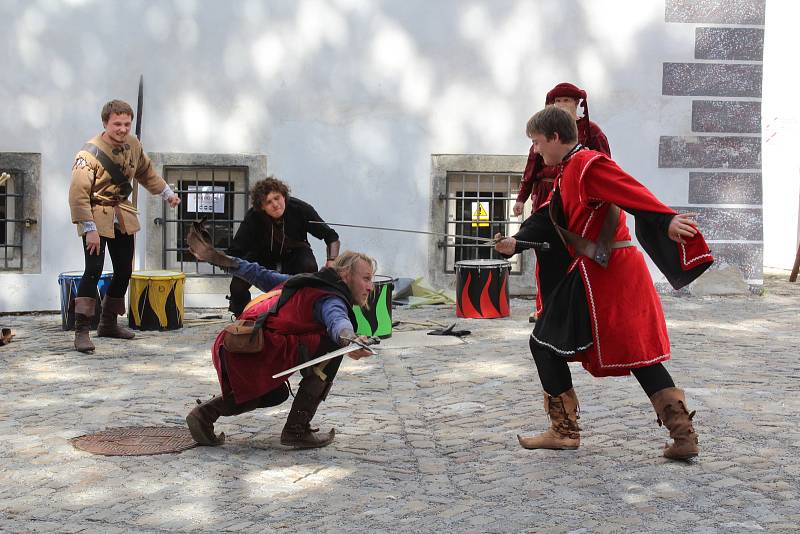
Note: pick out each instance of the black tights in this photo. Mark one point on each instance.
(556, 378)
(121, 250)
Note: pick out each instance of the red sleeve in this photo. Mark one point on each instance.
(598, 140)
(531, 168)
(603, 179)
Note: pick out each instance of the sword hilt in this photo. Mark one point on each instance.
(371, 340)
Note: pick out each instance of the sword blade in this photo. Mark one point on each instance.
(324, 357)
(139, 108)
(540, 245)
(405, 230)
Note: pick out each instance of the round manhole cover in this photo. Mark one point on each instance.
(136, 441)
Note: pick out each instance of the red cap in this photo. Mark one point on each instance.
(564, 89)
(571, 91)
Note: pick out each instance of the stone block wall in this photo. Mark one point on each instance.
(722, 152)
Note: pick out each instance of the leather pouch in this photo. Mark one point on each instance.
(243, 336)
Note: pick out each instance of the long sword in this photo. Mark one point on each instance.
(310, 363)
(139, 108)
(539, 245)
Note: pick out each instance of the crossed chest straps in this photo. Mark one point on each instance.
(118, 178)
(600, 250)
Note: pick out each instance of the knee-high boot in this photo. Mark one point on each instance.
(670, 405)
(297, 431)
(84, 312)
(564, 432)
(108, 327)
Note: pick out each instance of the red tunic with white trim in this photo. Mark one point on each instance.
(625, 313)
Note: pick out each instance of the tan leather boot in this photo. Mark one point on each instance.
(297, 431)
(564, 430)
(202, 418)
(84, 311)
(670, 405)
(108, 327)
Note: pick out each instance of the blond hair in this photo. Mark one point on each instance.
(347, 259)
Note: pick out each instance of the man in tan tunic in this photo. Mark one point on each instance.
(98, 201)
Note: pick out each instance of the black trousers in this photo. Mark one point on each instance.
(121, 250)
(299, 260)
(556, 378)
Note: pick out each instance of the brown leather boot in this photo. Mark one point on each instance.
(84, 312)
(564, 430)
(670, 405)
(202, 418)
(297, 431)
(108, 327)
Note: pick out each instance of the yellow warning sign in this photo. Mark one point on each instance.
(480, 214)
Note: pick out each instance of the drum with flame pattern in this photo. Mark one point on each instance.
(482, 289)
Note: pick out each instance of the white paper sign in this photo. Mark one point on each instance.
(206, 200)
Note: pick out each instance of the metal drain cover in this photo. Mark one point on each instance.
(136, 441)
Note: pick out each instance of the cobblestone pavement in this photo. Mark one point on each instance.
(426, 437)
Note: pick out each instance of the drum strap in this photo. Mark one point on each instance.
(600, 250)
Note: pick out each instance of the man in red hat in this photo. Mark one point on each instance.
(537, 180)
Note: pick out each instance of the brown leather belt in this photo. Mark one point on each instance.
(106, 203)
(600, 250)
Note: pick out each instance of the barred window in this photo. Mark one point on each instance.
(20, 209)
(11, 222)
(479, 205)
(217, 194)
(474, 195)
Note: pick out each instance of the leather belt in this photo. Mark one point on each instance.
(600, 250)
(106, 202)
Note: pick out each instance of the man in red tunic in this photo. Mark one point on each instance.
(300, 317)
(537, 180)
(605, 311)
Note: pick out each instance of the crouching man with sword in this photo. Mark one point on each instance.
(305, 322)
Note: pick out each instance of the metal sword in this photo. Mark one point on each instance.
(539, 245)
(310, 363)
(139, 108)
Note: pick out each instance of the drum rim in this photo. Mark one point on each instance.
(79, 274)
(483, 263)
(386, 279)
(165, 275)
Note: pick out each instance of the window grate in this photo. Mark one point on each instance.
(11, 221)
(218, 194)
(480, 205)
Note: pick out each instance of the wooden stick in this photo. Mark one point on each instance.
(126, 207)
(796, 267)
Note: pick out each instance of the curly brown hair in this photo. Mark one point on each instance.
(264, 187)
(115, 106)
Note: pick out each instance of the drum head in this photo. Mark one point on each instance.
(158, 275)
(482, 264)
(79, 274)
(381, 280)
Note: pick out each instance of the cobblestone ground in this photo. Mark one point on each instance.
(426, 437)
